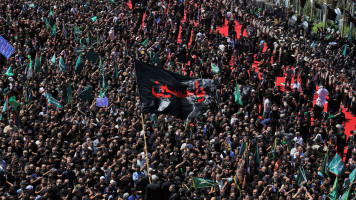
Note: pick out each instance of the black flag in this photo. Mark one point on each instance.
(317, 5)
(302, 3)
(166, 92)
(331, 14)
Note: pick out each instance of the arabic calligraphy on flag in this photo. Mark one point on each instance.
(166, 92)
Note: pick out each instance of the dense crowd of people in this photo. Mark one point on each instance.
(83, 151)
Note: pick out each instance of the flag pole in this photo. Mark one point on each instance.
(311, 10)
(343, 19)
(326, 10)
(144, 138)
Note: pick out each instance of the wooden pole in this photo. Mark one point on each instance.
(324, 20)
(311, 11)
(343, 19)
(144, 138)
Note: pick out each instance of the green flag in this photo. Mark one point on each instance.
(85, 95)
(30, 70)
(324, 166)
(145, 43)
(69, 93)
(301, 177)
(62, 65)
(350, 179)
(5, 108)
(52, 101)
(112, 1)
(86, 6)
(201, 183)
(101, 68)
(105, 83)
(337, 166)
(312, 45)
(344, 52)
(272, 153)
(346, 195)
(238, 97)
(9, 72)
(53, 59)
(47, 24)
(257, 157)
(116, 74)
(155, 60)
(87, 40)
(51, 13)
(93, 18)
(28, 95)
(334, 194)
(215, 68)
(13, 103)
(76, 30)
(78, 65)
(92, 56)
(54, 30)
(242, 148)
(37, 64)
(102, 92)
(80, 49)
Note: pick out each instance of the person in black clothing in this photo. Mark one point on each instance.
(153, 190)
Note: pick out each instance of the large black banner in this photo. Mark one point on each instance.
(165, 92)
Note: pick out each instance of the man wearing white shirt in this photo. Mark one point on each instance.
(322, 93)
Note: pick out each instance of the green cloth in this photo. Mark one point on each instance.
(346, 195)
(313, 44)
(52, 101)
(334, 194)
(215, 68)
(13, 103)
(54, 30)
(301, 177)
(5, 108)
(92, 56)
(102, 92)
(76, 30)
(80, 49)
(93, 18)
(344, 52)
(78, 65)
(324, 166)
(87, 40)
(68, 93)
(145, 43)
(101, 68)
(112, 1)
(85, 95)
(201, 183)
(155, 60)
(86, 6)
(242, 148)
(62, 65)
(9, 72)
(350, 179)
(53, 59)
(37, 64)
(337, 166)
(257, 157)
(238, 97)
